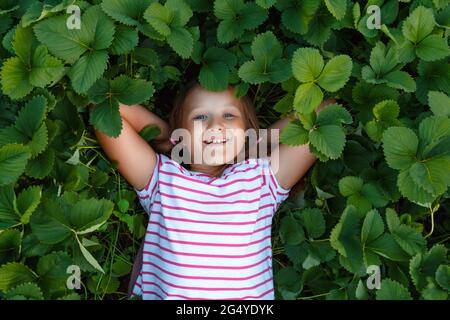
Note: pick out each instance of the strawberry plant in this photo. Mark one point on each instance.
(372, 219)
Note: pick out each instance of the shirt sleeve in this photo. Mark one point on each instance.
(147, 195)
(277, 192)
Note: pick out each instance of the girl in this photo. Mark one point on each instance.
(209, 230)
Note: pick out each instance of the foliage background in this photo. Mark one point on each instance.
(377, 196)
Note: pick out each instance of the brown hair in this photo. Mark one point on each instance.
(176, 121)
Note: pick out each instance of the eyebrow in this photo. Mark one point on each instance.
(196, 109)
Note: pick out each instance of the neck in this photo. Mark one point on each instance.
(215, 171)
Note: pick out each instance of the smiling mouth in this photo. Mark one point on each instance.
(216, 141)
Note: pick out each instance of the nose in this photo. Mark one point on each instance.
(216, 127)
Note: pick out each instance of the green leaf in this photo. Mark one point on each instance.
(333, 114)
(308, 97)
(386, 110)
(409, 239)
(159, 17)
(14, 274)
(106, 118)
(443, 276)
(433, 175)
(373, 227)
(27, 201)
(214, 76)
(412, 191)
(150, 132)
(180, 40)
(182, 12)
(400, 147)
(337, 8)
(345, 235)
(294, 134)
(387, 247)
(307, 64)
(130, 91)
(52, 271)
(266, 47)
(350, 185)
(125, 40)
(419, 24)
(375, 194)
(289, 283)
(400, 80)
(267, 64)
(10, 241)
(97, 33)
(329, 140)
(249, 15)
(297, 15)
(128, 12)
(89, 257)
(335, 73)
(313, 221)
(88, 215)
(13, 159)
(28, 291)
(87, 70)
(29, 130)
(253, 72)
(48, 222)
(392, 219)
(392, 290)
(433, 48)
(8, 207)
(291, 231)
(425, 265)
(19, 78)
(439, 103)
(266, 4)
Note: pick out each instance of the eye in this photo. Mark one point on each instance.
(200, 117)
(228, 115)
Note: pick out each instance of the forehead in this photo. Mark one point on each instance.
(198, 97)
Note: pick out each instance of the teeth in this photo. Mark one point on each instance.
(216, 141)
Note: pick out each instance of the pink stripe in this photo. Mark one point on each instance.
(151, 177)
(177, 165)
(208, 193)
(153, 292)
(213, 213)
(204, 288)
(168, 173)
(208, 232)
(191, 298)
(149, 194)
(210, 243)
(276, 184)
(207, 255)
(211, 222)
(212, 202)
(206, 278)
(206, 266)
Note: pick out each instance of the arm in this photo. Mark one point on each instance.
(136, 158)
(139, 117)
(292, 162)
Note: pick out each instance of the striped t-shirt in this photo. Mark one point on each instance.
(209, 237)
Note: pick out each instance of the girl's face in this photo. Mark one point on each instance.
(217, 124)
